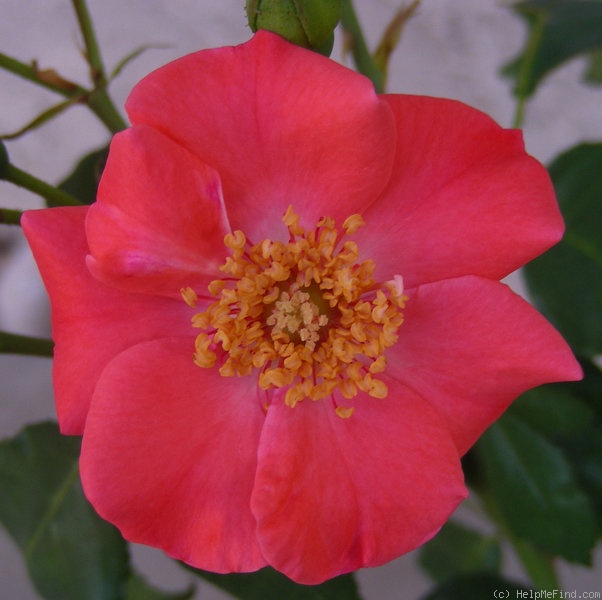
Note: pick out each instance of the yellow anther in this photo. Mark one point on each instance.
(293, 395)
(378, 313)
(344, 412)
(378, 389)
(263, 355)
(292, 362)
(216, 286)
(235, 240)
(353, 223)
(247, 285)
(278, 272)
(291, 220)
(348, 388)
(358, 332)
(323, 390)
(201, 320)
(306, 316)
(379, 365)
(395, 286)
(273, 378)
(266, 247)
(203, 357)
(190, 296)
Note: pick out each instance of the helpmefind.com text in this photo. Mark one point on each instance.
(543, 594)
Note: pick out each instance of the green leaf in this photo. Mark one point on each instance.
(566, 282)
(477, 587)
(535, 490)
(570, 416)
(392, 36)
(538, 565)
(70, 553)
(457, 550)
(83, 181)
(138, 589)
(593, 75)
(41, 119)
(268, 584)
(585, 453)
(584, 449)
(561, 30)
(589, 388)
(126, 60)
(554, 410)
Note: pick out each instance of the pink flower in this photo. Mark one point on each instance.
(261, 375)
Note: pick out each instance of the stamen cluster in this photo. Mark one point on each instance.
(304, 313)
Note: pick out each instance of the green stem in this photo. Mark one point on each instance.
(54, 196)
(98, 100)
(526, 68)
(92, 49)
(102, 106)
(8, 216)
(11, 343)
(364, 61)
(48, 79)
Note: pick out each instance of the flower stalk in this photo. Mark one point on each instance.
(54, 196)
(46, 78)
(9, 216)
(97, 98)
(94, 58)
(12, 343)
(102, 106)
(526, 68)
(364, 61)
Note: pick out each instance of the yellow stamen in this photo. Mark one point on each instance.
(344, 412)
(306, 314)
(190, 296)
(353, 223)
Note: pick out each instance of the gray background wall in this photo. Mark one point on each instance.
(452, 48)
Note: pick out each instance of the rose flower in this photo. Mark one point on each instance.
(281, 325)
